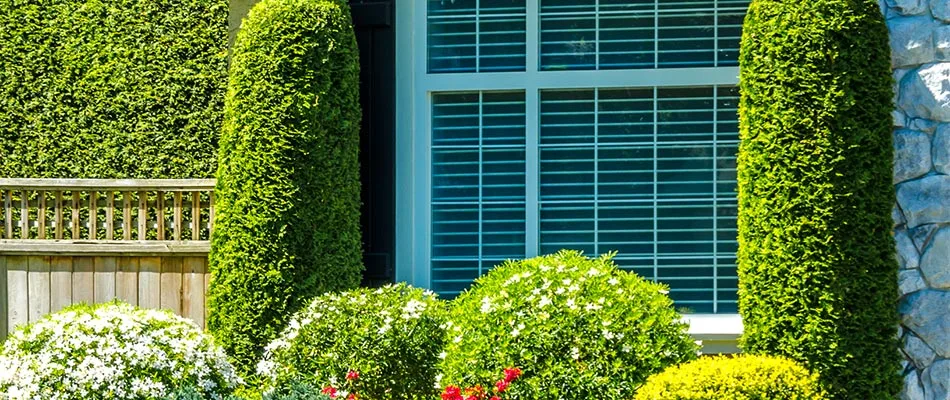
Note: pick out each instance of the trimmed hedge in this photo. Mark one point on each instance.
(817, 271)
(288, 192)
(112, 351)
(380, 343)
(111, 89)
(578, 327)
(743, 377)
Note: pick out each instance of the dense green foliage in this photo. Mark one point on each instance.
(287, 227)
(111, 88)
(382, 344)
(294, 391)
(297, 391)
(190, 393)
(112, 351)
(816, 258)
(738, 378)
(578, 327)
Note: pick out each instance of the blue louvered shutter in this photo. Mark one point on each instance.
(478, 185)
(631, 34)
(649, 173)
(476, 35)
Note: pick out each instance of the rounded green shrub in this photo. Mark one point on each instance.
(817, 272)
(288, 192)
(378, 344)
(111, 89)
(577, 327)
(112, 351)
(736, 378)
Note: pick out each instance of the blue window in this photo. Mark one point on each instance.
(595, 125)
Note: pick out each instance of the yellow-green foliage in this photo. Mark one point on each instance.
(288, 191)
(111, 88)
(741, 378)
(817, 272)
(579, 328)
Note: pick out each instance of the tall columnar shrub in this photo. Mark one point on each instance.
(288, 195)
(817, 269)
(111, 88)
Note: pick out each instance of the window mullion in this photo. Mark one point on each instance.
(596, 167)
(715, 196)
(532, 36)
(532, 172)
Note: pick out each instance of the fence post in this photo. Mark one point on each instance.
(4, 314)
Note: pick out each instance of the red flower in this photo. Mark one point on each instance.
(501, 385)
(352, 375)
(352, 396)
(495, 398)
(452, 393)
(330, 391)
(512, 374)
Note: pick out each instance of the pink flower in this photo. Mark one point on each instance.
(512, 374)
(329, 391)
(352, 375)
(501, 385)
(452, 393)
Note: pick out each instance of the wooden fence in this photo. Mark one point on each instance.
(68, 241)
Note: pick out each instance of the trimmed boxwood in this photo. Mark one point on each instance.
(578, 327)
(817, 272)
(111, 88)
(744, 377)
(382, 343)
(288, 192)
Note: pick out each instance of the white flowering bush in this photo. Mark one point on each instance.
(577, 327)
(112, 351)
(373, 344)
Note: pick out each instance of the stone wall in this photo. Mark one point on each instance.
(920, 43)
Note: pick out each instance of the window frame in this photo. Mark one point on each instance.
(414, 89)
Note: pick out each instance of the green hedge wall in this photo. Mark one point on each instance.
(111, 88)
(288, 187)
(817, 270)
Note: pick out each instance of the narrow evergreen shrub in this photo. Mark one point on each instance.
(817, 272)
(112, 351)
(288, 193)
(111, 89)
(376, 344)
(738, 378)
(577, 327)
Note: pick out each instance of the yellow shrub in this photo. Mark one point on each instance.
(738, 378)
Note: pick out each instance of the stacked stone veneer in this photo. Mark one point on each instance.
(920, 44)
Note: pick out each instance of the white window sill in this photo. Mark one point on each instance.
(719, 333)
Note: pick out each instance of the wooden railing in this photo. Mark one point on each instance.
(107, 210)
(64, 241)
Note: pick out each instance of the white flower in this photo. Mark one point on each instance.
(545, 301)
(486, 305)
(575, 353)
(517, 331)
(115, 348)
